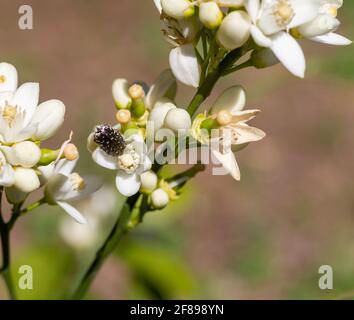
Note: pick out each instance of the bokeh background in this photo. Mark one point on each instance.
(262, 238)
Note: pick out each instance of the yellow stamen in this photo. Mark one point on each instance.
(78, 183)
(9, 113)
(2, 79)
(284, 12)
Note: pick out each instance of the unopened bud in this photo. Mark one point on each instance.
(178, 119)
(25, 154)
(159, 199)
(234, 30)
(178, 9)
(123, 116)
(148, 181)
(26, 180)
(210, 15)
(71, 152)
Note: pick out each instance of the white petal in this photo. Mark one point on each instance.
(26, 98)
(46, 172)
(8, 74)
(7, 176)
(71, 211)
(65, 167)
(248, 134)
(233, 99)
(229, 163)
(184, 65)
(48, 118)
(244, 116)
(305, 11)
(105, 160)
(127, 184)
(333, 39)
(158, 5)
(252, 7)
(164, 85)
(147, 163)
(289, 53)
(259, 37)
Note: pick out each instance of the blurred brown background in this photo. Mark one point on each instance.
(262, 238)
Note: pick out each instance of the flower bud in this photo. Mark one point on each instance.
(71, 152)
(178, 119)
(263, 58)
(159, 112)
(234, 30)
(48, 118)
(123, 116)
(148, 181)
(178, 9)
(26, 180)
(232, 99)
(210, 15)
(120, 91)
(159, 199)
(26, 154)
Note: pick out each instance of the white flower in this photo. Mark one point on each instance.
(62, 185)
(233, 133)
(127, 156)
(321, 29)
(20, 118)
(272, 19)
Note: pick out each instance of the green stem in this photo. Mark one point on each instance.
(207, 86)
(5, 270)
(117, 233)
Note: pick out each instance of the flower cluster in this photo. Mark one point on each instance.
(24, 165)
(271, 25)
(122, 146)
